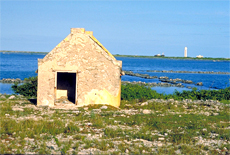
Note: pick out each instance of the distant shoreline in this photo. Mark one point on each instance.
(29, 52)
(159, 57)
(132, 56)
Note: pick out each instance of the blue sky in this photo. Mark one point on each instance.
(123, 27)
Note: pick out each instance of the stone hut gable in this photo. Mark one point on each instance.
(80, 60)
(78, 39)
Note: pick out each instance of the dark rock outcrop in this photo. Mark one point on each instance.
(145, 76)
(153, 84)
(199, 84)
(165, 81)
(8, 80)
(197, 72)
(187, 81)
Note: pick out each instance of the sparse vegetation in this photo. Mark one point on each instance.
(140, 92)
(146, 122)
(157, 126)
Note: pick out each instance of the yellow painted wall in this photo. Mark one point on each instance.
(102, 97)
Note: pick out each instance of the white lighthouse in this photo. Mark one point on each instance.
(185, 52)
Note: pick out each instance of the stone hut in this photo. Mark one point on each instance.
(81, 70)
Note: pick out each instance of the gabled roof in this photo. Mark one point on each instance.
(94, 39)
(90, 33)
(78, 31)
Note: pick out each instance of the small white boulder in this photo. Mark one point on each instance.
(12, 97)
(104, 107)
(146, 111)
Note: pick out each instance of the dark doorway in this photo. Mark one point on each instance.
(67, 81)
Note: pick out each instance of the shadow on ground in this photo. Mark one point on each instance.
(33, 101)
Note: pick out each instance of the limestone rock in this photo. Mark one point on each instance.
(96, 110)
(187, 81)
(2, 97)
(144, 103)
(104, 107)
(12, 97)
(163, 77)
(199, 84)
(178, 152)
(161, 138)
(146, 111)
(17, 109)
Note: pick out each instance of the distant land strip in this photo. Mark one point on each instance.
(160, 57)
(132, 56)
(29, 52)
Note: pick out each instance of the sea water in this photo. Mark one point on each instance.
(210, 81)
(24, 65)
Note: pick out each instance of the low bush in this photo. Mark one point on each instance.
(131, 92)
(28, 89)
(222, 94)
(139, 92)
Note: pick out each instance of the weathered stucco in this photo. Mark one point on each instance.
(97, 71)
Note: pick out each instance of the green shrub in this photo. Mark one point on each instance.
(222, 94)
(28, 89)
(131, 92)
(134, 91)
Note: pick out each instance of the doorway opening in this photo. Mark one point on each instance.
(66, 86)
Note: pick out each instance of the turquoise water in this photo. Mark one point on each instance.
(22, 65)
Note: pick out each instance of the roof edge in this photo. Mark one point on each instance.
(90, 33)
(95, 40)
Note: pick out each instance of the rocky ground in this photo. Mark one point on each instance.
(155, 126)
